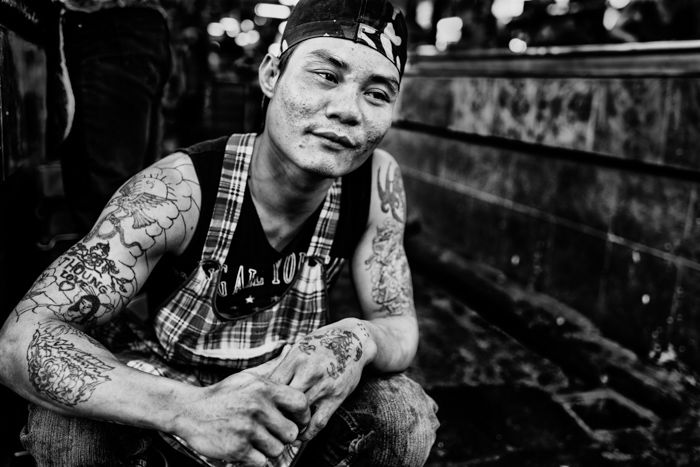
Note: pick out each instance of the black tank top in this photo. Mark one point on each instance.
(255, 274)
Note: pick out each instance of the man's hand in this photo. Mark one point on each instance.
(243, 418)
(326, 365)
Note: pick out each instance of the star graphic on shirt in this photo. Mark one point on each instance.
(249, 299)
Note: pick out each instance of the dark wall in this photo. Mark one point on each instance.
(582, 185)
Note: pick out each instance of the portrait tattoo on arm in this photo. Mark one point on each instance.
(60, 370)
(344, 345)
(389, 271)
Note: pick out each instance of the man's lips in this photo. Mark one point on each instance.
(336, 138)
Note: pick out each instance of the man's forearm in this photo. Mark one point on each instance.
(59, 367)
(396, 341)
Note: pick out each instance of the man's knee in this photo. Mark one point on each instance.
(403, 419)
(54, 439)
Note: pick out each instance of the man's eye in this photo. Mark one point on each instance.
(328, 76)
(379, 95)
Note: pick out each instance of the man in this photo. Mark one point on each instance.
(241, 362)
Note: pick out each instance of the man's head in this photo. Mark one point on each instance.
(334, 102)
(374, 23)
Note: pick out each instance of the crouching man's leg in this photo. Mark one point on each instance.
(387, 421)
(56, 440)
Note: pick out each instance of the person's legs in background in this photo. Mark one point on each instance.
(118, 61)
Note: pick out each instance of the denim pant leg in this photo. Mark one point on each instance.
(387, 421)
(57, 440)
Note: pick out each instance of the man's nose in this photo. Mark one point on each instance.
(344, 105)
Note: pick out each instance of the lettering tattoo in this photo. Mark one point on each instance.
(392, 195)
(391, 276)
(344, 345)
(77, 288)
(59, 370)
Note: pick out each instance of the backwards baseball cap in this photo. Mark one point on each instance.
(374, 23)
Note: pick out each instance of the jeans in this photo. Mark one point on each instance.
(387, 421)
(118, 61)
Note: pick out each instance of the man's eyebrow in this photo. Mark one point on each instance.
(330, 57)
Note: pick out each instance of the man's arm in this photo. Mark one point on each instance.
(49, 359)
(381, 273)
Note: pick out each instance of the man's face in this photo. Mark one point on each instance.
(332, 105)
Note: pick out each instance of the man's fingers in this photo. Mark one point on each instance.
(266, 443)
(253, 458)
(292, 403)
(280, 426)
(319, 419)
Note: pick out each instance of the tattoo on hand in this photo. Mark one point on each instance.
(389, 270)
(59, 370)
(341, 343)
(392, 195)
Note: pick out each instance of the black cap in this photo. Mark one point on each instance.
(374, 23)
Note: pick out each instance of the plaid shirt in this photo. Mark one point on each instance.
(188, 342)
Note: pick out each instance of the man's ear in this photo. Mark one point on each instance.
(268, 73)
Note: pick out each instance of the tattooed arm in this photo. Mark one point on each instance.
(46, 356)
(381, 273)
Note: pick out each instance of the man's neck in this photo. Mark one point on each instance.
(284, 195)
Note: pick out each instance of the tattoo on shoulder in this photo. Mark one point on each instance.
(147, 202)
(344, 345)
(391, 195)
(60, 370)
(389, 271)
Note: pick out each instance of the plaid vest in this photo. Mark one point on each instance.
(187, 341)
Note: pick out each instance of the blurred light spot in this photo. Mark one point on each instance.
(515, 260)
(636, 257)
(517, 46)
(506, 10)
(424, 14)
(272, 10)
(610, 18)
(260, 21)
(215, 29)
(248, 38)
(646, 299)
(449, 31)
(558, 8)
(604, 379)
(275, 49)
(426, 49)
(247, 25)
(231, 26)
(619, 4)
(560, 321)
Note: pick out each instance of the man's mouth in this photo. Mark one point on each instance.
(336, 138)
